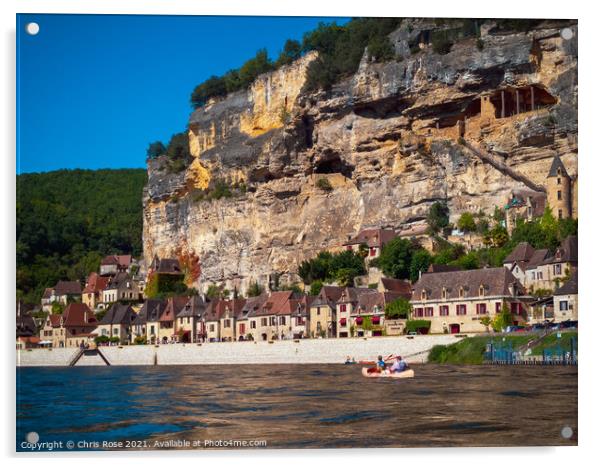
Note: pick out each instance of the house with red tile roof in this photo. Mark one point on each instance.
(373, 238)
(92, 293)
(112, 264)
(272, 320)
(188, 320)
(76, 326)
(300, 316)
(243, 322)
(167, 330)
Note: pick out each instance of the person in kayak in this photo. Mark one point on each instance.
(399, 365)
(380, 364)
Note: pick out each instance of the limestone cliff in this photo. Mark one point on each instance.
(388, 139)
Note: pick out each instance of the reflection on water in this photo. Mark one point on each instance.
(298, 406)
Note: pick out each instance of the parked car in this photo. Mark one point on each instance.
(515, 328)
(413, 333)
(568, 324)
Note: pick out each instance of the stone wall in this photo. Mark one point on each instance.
(318, 351)
(46, 356)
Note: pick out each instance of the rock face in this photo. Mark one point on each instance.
(388, 139)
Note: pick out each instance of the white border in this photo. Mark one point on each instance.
(590, 168)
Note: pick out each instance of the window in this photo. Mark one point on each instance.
(559, 214)
(461, 292)
(461, 309)
(443, 311)
(481, 308)
(253, 324)
(273, 320)
(264, 321)
(212, 328)
(318, 311)
(115, 331)
(282, 320)
(423, 295)
(372, 252)
(559, 195)
(226, 323)
(444, 293)
(343, 308)
(557, 269)
(481, 291)
(564, 305)
(418, 312)
(498, 308)
(428, 312)
(558, 181)
(152, 332)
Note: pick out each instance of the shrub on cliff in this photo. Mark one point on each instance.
(255, 289)
(213, 87)
(290, 53)
(466, 223)
(438, 216)
(324, 184)
(155, 149)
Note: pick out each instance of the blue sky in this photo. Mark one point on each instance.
(94, 90)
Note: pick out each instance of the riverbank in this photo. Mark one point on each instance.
(310, 351)
(472, 350)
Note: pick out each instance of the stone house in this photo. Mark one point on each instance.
(211, 321)
(322, 312)
(92, 293)
(368, 315)
(455, 302)
(561, 264)
(167, 320)
(111, 265)
(121, 287)
(76, 326)
(232, 310)
(146, 322)
(53, 332)
(119, 321)
(566, 300)
(523, 204)
(272, 320)
(149, 317)
(373, 238)
(300, 316)
(63, 293)
(345, 305)
(26, 328)
(244, 321)
(187, 320)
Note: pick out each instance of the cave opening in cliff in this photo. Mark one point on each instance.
(308, 131)
(512, 101)
(333, 164)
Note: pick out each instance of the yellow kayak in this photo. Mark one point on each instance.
(395, 375)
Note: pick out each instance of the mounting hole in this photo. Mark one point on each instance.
(32, 28)
(567, 33)
(566, 432)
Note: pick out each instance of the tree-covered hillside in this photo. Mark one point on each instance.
(68, 219)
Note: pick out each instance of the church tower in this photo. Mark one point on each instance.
(558, 188)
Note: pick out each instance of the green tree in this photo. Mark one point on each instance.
(213, 87)
(255, 289)
(421, 259)
(467, 223)
(438, 217)
(399, 308)
(252, 68)
(396, 258)
(502, 320)
(155, 149)
(316, 287)
(290, 53)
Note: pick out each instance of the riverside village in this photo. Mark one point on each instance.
(533, 293)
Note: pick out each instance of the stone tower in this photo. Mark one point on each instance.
(558, 188)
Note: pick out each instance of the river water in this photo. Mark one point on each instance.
(297, 406)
